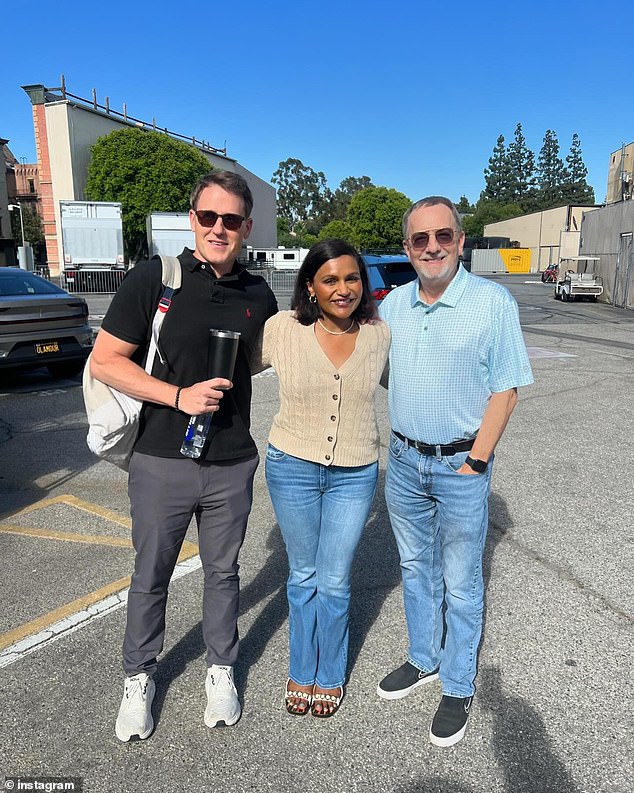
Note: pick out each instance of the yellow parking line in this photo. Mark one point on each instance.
(73, 501)
(188, 550)
(67, 536)
(43, 622)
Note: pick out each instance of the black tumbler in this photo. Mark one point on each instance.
(221, 360)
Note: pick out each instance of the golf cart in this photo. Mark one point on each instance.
(576, 279)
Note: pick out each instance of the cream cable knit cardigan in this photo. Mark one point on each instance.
(326, 414)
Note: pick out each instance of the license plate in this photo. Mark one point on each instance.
(48, 347)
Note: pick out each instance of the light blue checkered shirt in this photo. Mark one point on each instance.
(448, 358)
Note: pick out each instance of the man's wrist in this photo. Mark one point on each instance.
(479, 466)
(177, 397)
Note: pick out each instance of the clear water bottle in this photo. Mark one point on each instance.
(196, 435)
(223, 349)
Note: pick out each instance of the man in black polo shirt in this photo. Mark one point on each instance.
(166, 489)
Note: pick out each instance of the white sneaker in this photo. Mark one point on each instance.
(223, 706)
(135, 713)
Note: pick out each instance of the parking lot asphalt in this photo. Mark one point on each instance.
(555, 696)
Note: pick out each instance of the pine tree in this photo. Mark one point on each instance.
(464, 207)
(576, 189)
(521, 164)
(551, 173)
(496, 176)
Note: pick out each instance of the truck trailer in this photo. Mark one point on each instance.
(169, 233)
(275, 258)
(92, 245)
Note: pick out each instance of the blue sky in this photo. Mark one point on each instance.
(412, 94)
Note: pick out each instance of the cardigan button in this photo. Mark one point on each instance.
(337, 376)
(330, 439)
(335, 396)
(333, 418)
(327, 457)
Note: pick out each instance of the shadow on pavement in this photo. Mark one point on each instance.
(521, 746)
(375, 573)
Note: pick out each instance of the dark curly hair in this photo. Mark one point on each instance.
(321, 252)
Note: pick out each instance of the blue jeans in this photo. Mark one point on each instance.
(321, 511)
(439, 519)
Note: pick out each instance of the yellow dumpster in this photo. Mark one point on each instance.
(516, 260)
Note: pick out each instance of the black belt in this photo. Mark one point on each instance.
(446, 450)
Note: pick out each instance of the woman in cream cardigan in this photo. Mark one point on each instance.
(322, 458)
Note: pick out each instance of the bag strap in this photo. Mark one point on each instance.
(171, 280)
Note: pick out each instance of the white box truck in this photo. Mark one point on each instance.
(169, 233)
(92, 245)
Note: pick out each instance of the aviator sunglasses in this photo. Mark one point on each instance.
(208, 219)
(420, 240)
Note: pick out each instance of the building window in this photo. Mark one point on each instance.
(31, 185)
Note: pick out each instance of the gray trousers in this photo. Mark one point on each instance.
(164, 495)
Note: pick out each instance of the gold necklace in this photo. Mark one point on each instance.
(336, 332)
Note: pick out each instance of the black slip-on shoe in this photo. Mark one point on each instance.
(403, 681)
(450, 722)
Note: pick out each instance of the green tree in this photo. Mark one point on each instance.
(521, 177)
(497, 176)
(145, 171)
(343, 194)
(302, 193)
(464, 207)
(33, 229)
(352, 184)
(337, 229)
(284, 236)
(551, 173)
(489, 212)
(375, 216)
(576, 189)
(301, 237)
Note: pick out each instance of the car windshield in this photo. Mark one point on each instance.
(24, 283)
(398, 273)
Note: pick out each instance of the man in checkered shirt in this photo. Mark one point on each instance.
(456, 360)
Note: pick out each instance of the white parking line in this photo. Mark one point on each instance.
(544, 352)
(80, 619)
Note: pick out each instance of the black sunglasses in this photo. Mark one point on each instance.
(420, 240)
(208, 218)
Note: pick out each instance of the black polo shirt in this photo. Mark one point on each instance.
(239, 302)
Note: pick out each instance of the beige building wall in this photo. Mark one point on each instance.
(61, 164)
(621, 174)
(69, 131)
(540, 232)
(73, 130)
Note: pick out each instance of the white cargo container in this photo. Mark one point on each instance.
(169, 233)
(92, 245)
